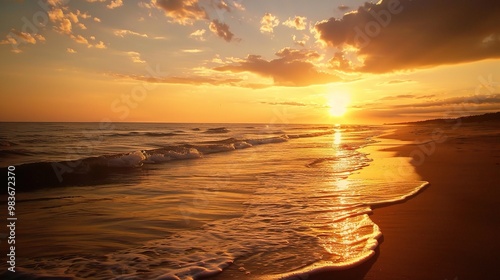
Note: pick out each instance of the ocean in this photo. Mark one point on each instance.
(190, 201)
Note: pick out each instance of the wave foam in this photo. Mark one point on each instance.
(134, 159)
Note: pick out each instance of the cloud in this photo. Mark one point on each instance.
(446, 108)
(238, 6)
(184, 12)
(64, 20)
(291, 103)
(100, 45)
(145, 5)
(198, 35)
(56, 2)
(123, 32)
(135, 57)
(187, 12)
(304, 55)
(296, 104)
(73, 17)
(343, 8)
(397, 81)
(15, 38)
(302, 42)
(426, 96)
(449, 107)
(221, 30)
(193, 80)
(70, 50)
(115, 4)
(292, 68)
(192, 51)
(65, 26)
(27, 37)
(492, 99)
(57, 16)
(80, 39)
(96, 19)
(298, 23)
(394, 35)
(268, 23)
(221, 5)
(39, 38)
(396, 97)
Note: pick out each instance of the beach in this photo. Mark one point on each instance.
(450, 229)
(252, 140)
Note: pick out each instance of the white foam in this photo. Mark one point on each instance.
(188, 154)
(158, 158)
(242, 145)
(133, 159)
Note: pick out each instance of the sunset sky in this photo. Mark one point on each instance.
(259, 61)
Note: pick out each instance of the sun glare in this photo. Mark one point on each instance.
(338, 103)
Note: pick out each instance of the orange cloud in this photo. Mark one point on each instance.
(298, 23)
(198, 35)
(404, 34)
(292, 68)
(115, 4)
(100, 45)
(221, 30)
(123, 32)
(343, 8)
(184, 12)
(268, 23)
(135, 57)
(193, 80)
(443, 108)
(15, 38)
(302, 42)
(63, 20)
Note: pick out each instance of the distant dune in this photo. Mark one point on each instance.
(489, 117)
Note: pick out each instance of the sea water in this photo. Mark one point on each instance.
(189, 201)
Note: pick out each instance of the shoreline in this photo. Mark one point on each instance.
(382, 161)
(449, 229)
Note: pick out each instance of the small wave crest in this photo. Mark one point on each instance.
(217, 130)
(149, 134)
(4, 143)
(7, 152)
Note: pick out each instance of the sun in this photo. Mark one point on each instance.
(338, 103)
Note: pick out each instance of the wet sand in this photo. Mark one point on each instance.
(450, 229)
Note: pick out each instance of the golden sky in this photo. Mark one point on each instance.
(259, 61)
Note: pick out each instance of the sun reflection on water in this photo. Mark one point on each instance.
(337, 136)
